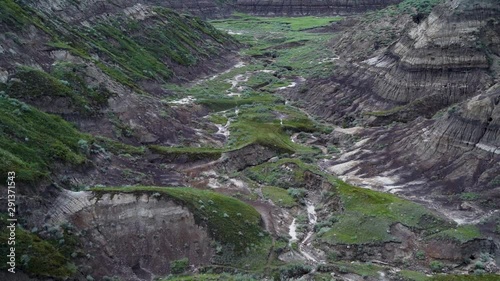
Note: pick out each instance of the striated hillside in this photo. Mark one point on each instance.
(303, 8)
(81, 10)
(436, 72)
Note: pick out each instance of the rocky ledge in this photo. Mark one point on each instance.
(317, 7)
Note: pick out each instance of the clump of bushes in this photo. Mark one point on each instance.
(294, 270)
(179, 266)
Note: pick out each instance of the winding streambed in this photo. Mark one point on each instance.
(304, 247)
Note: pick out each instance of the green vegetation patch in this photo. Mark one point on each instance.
(32, 141)
(284, 23)
(213, 277)
(117, 147)
(285, 173)
(462, 234)
(409, 7)
(367, 216)
(363, 269)
(374, 212)
(11, 14)
(231, 222)
(299, 52)
(65, 81)
(279, 196)
(35, 256)
(483, 277)
(413, 275)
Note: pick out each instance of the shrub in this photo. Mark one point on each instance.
(179, 266)
(297, 193)
(83, 145)
(294, 270)
(479, 265)
(420, 255)
(436, 266)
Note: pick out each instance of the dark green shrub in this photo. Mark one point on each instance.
(294, 270)
(179, 266)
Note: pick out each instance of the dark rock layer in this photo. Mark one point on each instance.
(316, 7)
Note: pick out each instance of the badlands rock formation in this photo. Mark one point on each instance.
(315, 7)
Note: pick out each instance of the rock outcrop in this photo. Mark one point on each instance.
(309, 8)
(440, 79)
(147, 233)
(446, 58)
(76, 12)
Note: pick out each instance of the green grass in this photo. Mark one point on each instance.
(118, 148)
(484, 277)
(11, 14)
(367, 215)
(275, 174)
(66, 81)
(31, 141)
(462, 234)
(129, 50)
(34, 255)
(283, 23)
(261, 124)
(231, 222)
(285, 38)
(279, 196)
(413, 275)
(212, 277)
(363, 269)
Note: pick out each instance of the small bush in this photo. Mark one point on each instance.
(179, 266)
(436, 266)
(294, 270)
(420, 255)
(297, 193)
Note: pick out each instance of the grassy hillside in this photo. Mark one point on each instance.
(126, 49)
(31, 141)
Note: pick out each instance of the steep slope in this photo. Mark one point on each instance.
(440, 76)
(106, 75)
(81, 10)
(440, 59)
(303, 8)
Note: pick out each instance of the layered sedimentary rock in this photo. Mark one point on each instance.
(439, 61)
(147, 233)
(441, 79)
(216, 9)
(315, 7)
(79, 11)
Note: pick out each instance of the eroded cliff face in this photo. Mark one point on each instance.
(441, 80)
(148, 232)
(308, 8)
(446, 58)
(80, 11)
(76, 12)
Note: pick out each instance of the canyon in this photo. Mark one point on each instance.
(252, 140)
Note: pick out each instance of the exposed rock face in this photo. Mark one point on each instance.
(147, 233)
(450, 58)
(443, 60)
(76, 12)
(80, 11)
(316, 7)
(438, 159)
